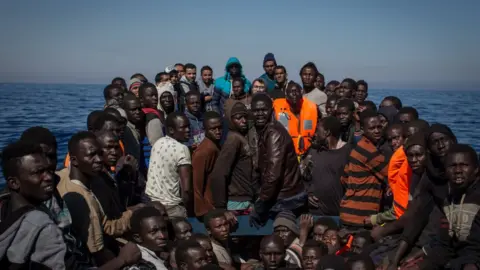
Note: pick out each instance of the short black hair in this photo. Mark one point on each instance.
(464, 149)
(367, 114)
(262, 97)
(172, 117)
(397, 103)
(319, 74)
(200, 236)
(193, 93)
(346, 103)
(327, 222)
(173, 72)
(92, 117)
(77, 138)
(421, 124)
(239, 79)
(139, 76)
(206, 68)
(351, 82)
(179, 64)
(158, 77)
(139, 215)
(144, 87)
(210, 115)
(370, 105)
(118, 79)
(408, 110)
(101, 120)
(292, 84)
(332, 124)
(129, 97)
(177, 220)
(108, 90)
(364, 83)
(365, 258)
(39, 135)
(212, 214)
(281, 67)
(181, 252)
(309, 65)
(365, 235)
(314, 244)
(114, 112)
(396, 126)
(190, 66)
(14, 152)
(333, 82)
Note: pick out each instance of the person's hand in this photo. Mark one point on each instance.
(377, 233)
(127, 161)
(306, 222)
(130, 253)
(368, 222)
(136, 207)
(312, 201)
(231, 218)
(412, 259)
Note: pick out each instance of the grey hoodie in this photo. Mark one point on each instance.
(33, 239)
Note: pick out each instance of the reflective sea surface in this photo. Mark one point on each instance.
(63, 108)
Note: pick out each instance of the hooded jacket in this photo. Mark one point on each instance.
(232, 176)
(197, 131)
(223, 86)
(30, 238)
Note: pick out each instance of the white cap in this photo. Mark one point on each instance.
(170, 69)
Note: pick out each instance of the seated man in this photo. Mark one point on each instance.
(272, 252)
(285, 226)
(218, 228)
(312, 253)
(206, 243)
(182, 229)
(189, 255)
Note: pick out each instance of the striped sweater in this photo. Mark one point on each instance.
(364, 179)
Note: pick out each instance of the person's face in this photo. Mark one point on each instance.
(191, 74)
(321, 136)
(261, 112)
(194, 104)
(417, 158)
(153, 233)
(207, 76)
(460, 170)
(293, 95)
(258, 87)
(405, 118)
(183, 230)
(280, 75)
(174, 78)
(34, 179)
(122, 84)
(213, 129)
(320, 82)
(197, 258)
(357, 244)
(383, 121)
(51, 155)
(345, 91)
(330, 90)
(359, 265)
(150, 98)
(311, 258)
(180, 70)
(285, 233)
(269, 67)
(439, 144)
(386, 103)
(372, 129)
(330, 238)
(88, 159)
(330, 107)
(344, 115)
(166, 101)
(113, 127)
(239, 121)
(133, 109)
(318, 231)
(237, 88)
(395, 138)
(110, 149)
(234, 69)
(219, 229)
(207, 245)
(308, 77)
(164, 78)
(117, 94)
(272, 256)
(361, 94)
(181, 131)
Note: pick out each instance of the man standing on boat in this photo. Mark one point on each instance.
(269, 64)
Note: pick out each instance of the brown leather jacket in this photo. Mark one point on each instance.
(278, 164)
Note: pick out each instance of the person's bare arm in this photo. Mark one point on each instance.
(185, 173)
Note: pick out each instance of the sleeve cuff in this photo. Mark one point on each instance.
(374, 219)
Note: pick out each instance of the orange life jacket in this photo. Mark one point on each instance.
(399, 178)
(300, 129)
(66, 163)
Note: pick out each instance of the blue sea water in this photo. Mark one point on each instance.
(63, 108)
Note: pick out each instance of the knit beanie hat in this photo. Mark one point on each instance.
(288, 220)
(443, 129)
(134, 82)
(417, 139)
(269, 57)
(238, 108)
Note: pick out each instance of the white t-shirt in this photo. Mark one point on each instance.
(163, 180)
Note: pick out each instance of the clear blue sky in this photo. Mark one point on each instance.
(405, 44)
